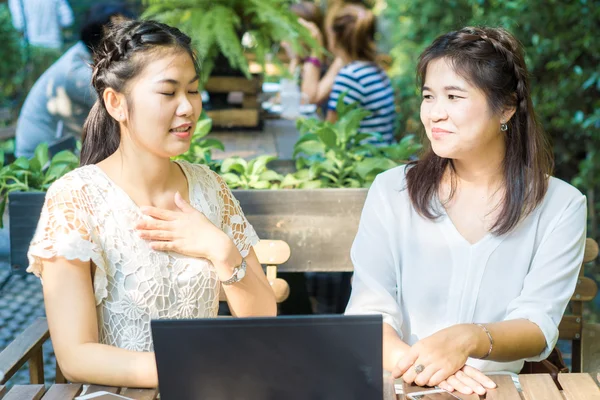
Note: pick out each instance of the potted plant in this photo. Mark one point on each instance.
(23, 185)
(334, 154)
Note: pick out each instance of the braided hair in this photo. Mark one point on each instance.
(492, 60)
(116, 61)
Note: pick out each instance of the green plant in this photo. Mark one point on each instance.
(35, 174)
(336, 155)
(232, 28)
(201, 148)
(254, 174)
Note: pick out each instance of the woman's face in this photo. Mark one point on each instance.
(165, 105)
(456, 115)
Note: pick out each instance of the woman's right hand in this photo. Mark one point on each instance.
(468, 380)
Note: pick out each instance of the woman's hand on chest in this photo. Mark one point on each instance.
(187, 231)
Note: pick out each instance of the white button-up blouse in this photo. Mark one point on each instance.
(423, 276)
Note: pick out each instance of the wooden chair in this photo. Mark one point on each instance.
(571, 326)
(27, 346)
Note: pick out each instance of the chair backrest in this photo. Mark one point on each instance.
(571, 325)
(271, 253)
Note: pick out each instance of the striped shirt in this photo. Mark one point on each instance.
(370, 86)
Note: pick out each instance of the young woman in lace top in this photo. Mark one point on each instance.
(131, 236)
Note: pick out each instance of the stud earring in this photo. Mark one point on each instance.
(503, 127)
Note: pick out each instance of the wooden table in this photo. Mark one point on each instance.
(69, 391)
(534, 387)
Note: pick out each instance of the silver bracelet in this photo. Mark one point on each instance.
(489, 335)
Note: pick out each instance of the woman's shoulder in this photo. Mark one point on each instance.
(393, 179)
(201, 177)
(561, 194)
(77, 180)
(194, 170)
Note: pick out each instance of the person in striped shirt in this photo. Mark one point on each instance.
(352, 39)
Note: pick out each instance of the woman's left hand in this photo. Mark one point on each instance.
(187, 231)
(440, 355)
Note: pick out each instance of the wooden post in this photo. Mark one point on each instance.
(36, 367)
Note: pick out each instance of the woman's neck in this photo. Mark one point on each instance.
(144, 174)
(481, 170)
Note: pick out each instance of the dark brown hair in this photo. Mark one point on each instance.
(492, 60)
(354, 30)
(118, 60)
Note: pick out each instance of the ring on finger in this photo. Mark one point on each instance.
(419, 368)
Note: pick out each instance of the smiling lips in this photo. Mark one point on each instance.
(439, 133)
(182, 131)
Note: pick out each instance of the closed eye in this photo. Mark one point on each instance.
(454, 97)
(168, 94)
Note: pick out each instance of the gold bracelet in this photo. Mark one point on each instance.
(489, 335)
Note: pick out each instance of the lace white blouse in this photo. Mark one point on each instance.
(423, 276)
(88, 217)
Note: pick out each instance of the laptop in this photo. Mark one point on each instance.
(279, 358)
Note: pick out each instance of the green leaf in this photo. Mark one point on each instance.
(237, 164)
(328, 136)
(261, 185)
(289, 180)
(66, 157)
(350, 123)
(307, 137)
(212, 144)
(309, 148)
(55, 171)
(231, 179)
(341, 107)
(259, 164)
(366, 166)
(41, 154)
(203, 127)
(34, 165)
(21, 163)
(316, 184)
(270, 175)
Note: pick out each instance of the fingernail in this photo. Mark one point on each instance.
(480, 390)
(450, 389)
(491, 385)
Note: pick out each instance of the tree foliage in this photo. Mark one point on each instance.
(232, 28)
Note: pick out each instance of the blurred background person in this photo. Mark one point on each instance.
(352, 40)
(62, 97)
(41, 22)
(317, 70)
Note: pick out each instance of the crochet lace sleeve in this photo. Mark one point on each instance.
(233, 221)
(66, 229)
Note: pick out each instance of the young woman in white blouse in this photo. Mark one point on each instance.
(131, 236)
(471, 253)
